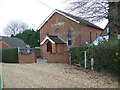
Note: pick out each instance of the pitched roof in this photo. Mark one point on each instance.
(53, 39)
(56, 39)
(13, 42)
(71, 17)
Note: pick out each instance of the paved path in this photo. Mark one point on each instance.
(50, 75)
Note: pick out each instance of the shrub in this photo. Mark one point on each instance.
(10, 55)
(106, 56)
(77, 54)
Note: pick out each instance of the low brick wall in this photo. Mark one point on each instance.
(58, 57)
(27, 58)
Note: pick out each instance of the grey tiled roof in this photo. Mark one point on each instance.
(79, 19)
(56, 39)
(13, 42)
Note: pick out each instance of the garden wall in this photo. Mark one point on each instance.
(27, 58)
(58, 57)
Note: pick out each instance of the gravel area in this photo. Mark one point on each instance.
(51, 75)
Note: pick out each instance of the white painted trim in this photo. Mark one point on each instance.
(67, 17)
(60, 14)
(6, 43)
(47, 38)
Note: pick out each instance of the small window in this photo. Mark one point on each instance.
(69, 42)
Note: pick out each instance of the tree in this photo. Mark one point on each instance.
(92, 10)
(15, 27)
(96, 10)
(113, 17)
(30, 37)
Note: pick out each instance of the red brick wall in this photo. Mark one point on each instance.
(30, 58)
(85, 31)
(3, 45)
(53, 48)
(80, 32)
(51, 26)
(58, 57)
(60, 48)
(43, 49)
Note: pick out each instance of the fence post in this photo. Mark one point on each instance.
(69, 57)
(92, 63)
(85, 59)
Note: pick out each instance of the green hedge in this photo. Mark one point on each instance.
(106, 56)
(77, 54)
(9, 55)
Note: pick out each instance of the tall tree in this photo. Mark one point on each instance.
(15, 27)
(30, 37)
(92, 10)
(113, 18)
(96, 10)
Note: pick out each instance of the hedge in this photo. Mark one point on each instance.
(9, 55)
(77, 54)
(106, 56)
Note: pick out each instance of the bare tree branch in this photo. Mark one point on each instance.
(15, 27)
(92, 10)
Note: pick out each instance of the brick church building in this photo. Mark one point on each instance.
(62, 31)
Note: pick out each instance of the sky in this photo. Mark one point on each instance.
(32, 12)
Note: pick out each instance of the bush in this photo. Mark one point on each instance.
(9, 55)
(106, 56)
(77, 54)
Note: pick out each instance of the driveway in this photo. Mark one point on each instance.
(50, 75)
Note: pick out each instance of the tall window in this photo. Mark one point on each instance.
(90, 37)
(69, 35)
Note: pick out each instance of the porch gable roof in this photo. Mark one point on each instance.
(53, 39)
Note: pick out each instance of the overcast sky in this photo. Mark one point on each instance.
(32, 12)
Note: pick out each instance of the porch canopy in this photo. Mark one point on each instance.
(53, 40)
(53, 44)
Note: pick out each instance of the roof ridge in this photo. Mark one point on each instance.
(71, 17)
(79, 18)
